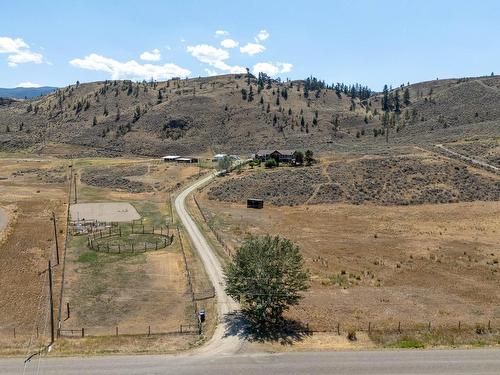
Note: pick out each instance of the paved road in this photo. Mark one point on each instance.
(220, 343)
(411, 362)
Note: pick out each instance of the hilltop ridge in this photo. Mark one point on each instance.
(230, 113)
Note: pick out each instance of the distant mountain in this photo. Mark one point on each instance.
(25, 92)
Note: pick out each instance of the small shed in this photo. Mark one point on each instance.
(255, 203)
(187, 159)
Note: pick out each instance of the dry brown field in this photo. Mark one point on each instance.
(374, 263)
(138, 293)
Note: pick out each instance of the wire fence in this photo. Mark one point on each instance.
(479, 327)
(218, 237)
(492, 327)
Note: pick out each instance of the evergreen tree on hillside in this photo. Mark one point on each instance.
(406, 97)
(250, 94)
(385, 99)
(397, 104)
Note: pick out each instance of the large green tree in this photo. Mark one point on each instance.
(266, 275)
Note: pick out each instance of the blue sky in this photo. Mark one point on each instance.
(371, 42)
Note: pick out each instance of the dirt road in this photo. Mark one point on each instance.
(220, 343)
(3, 220)
(469, 159)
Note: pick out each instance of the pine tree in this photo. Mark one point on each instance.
(406, 97)
(250, 94)
(397, 104)
(385, 99)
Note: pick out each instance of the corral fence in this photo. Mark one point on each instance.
(126, 238)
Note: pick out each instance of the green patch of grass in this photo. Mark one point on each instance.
(479, 343)
(408, 343)
(150, 212)
(88, 257)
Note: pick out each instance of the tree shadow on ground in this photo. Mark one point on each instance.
(285, 332)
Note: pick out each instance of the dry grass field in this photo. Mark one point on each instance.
(29, 191)
(138, 293)
(377, 261)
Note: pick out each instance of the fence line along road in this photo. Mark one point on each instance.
(219, 343)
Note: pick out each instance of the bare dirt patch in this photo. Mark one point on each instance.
(104, 212)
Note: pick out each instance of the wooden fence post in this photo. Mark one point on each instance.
(14, 332)
(83, 332)
(459, 325)
(369, 327)
(149, 330)
(399, 327)
(116, 330)
(338, 329)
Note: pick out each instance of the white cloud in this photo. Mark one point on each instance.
(215, 57)
(271, 69)
(9, 45)
(262, 35)
(153, 55)
(221, 33)
(229, 43)
(130, 69)
(252, 49)
(28, 84)
(208, 54)
(24, 56)
(19, 52)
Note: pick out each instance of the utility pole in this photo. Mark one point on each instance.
(55, 236)
(74, 183)
(51, 304)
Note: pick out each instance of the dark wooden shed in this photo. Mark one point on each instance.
(255, 203)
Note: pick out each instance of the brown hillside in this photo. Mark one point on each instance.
(204, 115)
